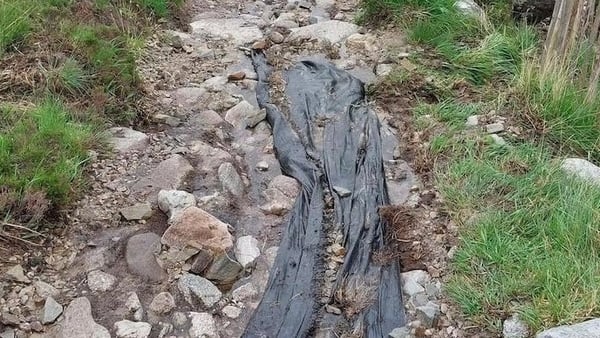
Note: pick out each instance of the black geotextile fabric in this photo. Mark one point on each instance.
(331, 139)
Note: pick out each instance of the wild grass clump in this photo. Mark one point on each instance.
(15, 20)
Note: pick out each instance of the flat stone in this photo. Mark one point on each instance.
(140, 254)
(255, 117)
(587, 329)
(203, 325)
(137, 212)
(400, 332)
(129, 329)
(199, 287)
(134, 306)
(472, 120)
(231, 311)
(235, 30)
(494, 128)
(210, 117)
(411, 287)
(244, 292)
(124, 140)
(514, 327)
(210, 157)
(201, 261)
(174, 201)
(177, 167)
(215, 84)
(239, 114)
(79, 323)
(8, 333)
(428, 314)
(230, 179)
(8, 318)
(223, 270)
(583, 169)
(162, 303)
(100, 281)
(45, 290)
(16, 274)
(194, 227)
(325, 4)
(470, 8)
(287, 24)
(52, 310)
(332, 31)
(246, 250)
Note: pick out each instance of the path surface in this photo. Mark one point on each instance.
(179, 229)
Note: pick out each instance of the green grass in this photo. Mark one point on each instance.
(42, 149)
(15, 20)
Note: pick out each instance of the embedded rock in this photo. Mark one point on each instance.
(79, 323)
(332, 31)
(124, 140)
(199, 287)
(140, 254)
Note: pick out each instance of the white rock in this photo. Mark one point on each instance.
(587, 329)
(400, 332)
(383, 69)
(100, 281)
(134, 306)
(498, 140)
(124, 140)
(325, 4)
(239, 114)
(582, 169)
(246, 250)
(513, 327)
(129, 329)
(332, 31)
(162, 303)
(231, 311)
(469, 7)
(419, 276)
(203, 325)
(237, 30)
(472, 120)
(174, 201)
(51, 311)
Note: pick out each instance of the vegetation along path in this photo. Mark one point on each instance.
(142, 195)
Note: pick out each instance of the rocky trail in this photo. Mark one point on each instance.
(179, 230)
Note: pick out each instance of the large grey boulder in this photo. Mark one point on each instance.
(582, 169)
(588, 329)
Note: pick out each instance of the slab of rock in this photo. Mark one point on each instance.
(384, 69)
(137, 212)
(202, 261)
(472, 121)
(215, 84)
(51, 311)
(280, 195)
(583, 169)
(45, 290)
(124, 140)
(231, 311)
(210, 117)
(210, 157)
(100, 281)
(16, 274)
(235, 30)
(428, 314)
(162, 303)
(244, 292)
(140, 254)
(332, 31)
(230, 179)
(223, 270)
(246, 250)
(194, 227)
(494, 128)
(129, 329)
(188, 96)
(134, 306)
(587, 329)
(174, 201)
(169, 174)
(514, 327)
(418, 276)
(8, 333)
(199, 287)
(239, 114)
(79, 323)
(203, 325)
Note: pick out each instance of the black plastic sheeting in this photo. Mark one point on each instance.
(331, 140)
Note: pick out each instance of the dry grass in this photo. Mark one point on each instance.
(355, 295)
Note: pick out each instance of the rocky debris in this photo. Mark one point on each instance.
(162, 303)
(140, 254)
(231, 311)
(428, 314)
(223, 270)
(174, 201)
(16, 274)
(582, 169)
(472, 121)
(124, 140)
(79, 323)
(200, 287)
(332, 31)
(194, 227)
(236, 30)
(100, 281)
(129, 329)
(52, 309)
(177, 167)
(514, 327)
(134, 306)
(244, 114)
(494, 128)
(400, 332)
(203, 325)
(246, 250)
(137, 212)
(280, 195)
(590, 328)
(45, 290)
(230, 179)
(244, 292)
